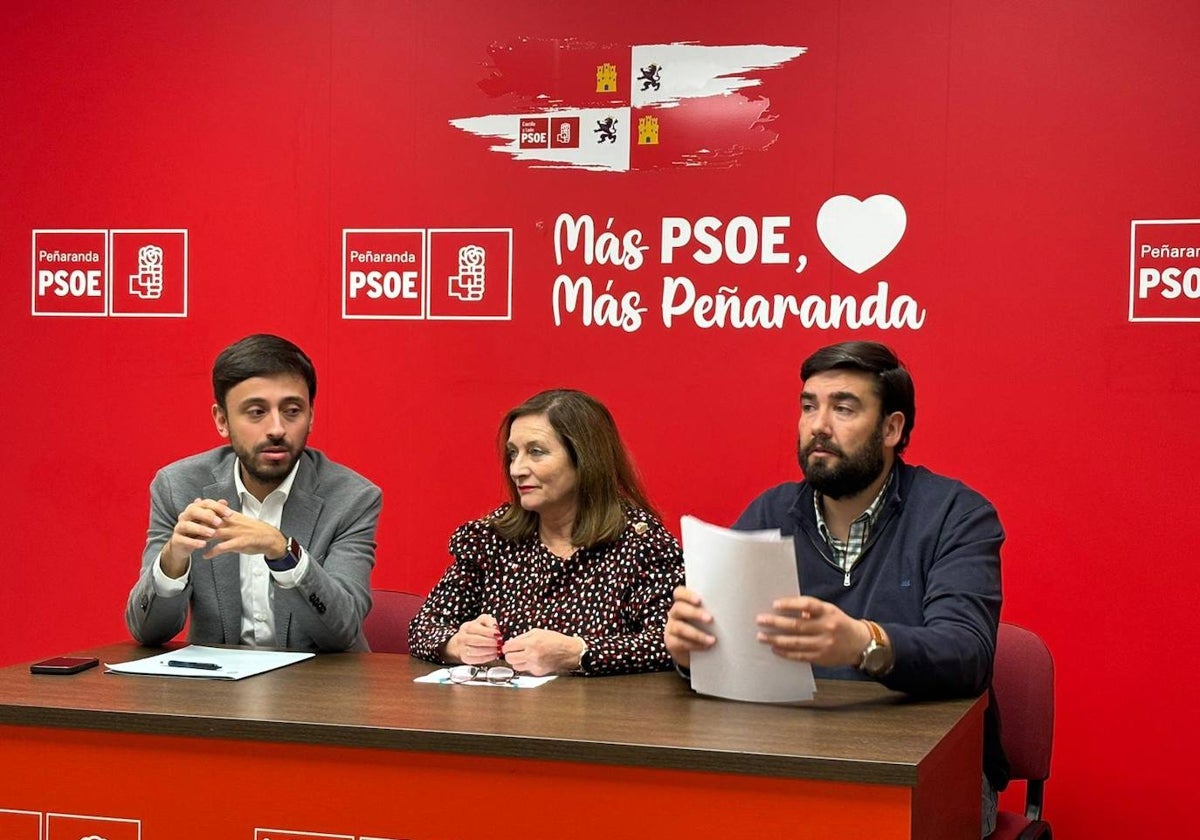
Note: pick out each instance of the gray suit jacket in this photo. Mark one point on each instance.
(331, 510)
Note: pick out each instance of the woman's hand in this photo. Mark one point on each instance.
(476, 642)
(541, 652)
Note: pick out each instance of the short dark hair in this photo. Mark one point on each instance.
(893, 384)
(608, 483)
(261, 355)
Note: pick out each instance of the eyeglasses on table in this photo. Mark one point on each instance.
(492, 674)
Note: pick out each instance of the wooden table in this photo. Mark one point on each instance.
(346, 745)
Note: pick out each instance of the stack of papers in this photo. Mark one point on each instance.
(209, 663)
(738, 576)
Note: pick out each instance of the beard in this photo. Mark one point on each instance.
(851, 474)
(266, 473)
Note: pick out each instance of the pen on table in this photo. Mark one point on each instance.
(203, 666)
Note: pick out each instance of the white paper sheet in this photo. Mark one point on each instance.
(442, 677)
(230, 663)
(738, 575)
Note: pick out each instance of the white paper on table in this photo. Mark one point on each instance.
(738, 575)
(232, 663)
(442, 677)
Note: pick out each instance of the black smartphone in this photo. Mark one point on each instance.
(64, 665)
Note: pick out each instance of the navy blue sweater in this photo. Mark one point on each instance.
(929, 574)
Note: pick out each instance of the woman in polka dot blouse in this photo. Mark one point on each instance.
(575, 573)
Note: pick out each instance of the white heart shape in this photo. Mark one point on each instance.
(861, 233)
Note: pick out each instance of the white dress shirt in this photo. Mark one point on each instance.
(258, 617)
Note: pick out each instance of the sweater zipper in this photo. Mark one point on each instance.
(886, 515)
(820, 546)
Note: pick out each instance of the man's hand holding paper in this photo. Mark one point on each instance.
(810, 630)
(733, 577)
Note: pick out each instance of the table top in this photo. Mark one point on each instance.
(851, 731)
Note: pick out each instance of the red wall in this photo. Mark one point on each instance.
(1022, 139)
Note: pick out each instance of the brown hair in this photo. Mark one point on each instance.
(893, 384)
(261, 355)
(608, 484)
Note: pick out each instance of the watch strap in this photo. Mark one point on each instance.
(876, 632)
(584, 659)
(289, 560)
(876, 647)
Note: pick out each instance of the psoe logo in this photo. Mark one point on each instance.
(149, 273)
(1164, 270)
(470, 274)
(383, 273)
(427, 273)
(70, 272)
(535, 132)
(130, 273)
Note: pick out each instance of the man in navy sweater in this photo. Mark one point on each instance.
(900, 567)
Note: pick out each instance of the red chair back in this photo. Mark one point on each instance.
(1023, 685)
(1023, 681)
(386, 626)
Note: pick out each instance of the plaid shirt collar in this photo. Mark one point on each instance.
(847, 553)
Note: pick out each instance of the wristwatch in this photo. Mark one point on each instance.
(584, 657)
(877, 656)
(289, 560)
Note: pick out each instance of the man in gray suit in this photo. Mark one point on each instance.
(267, 543)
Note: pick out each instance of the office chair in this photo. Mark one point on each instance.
(1023, 683)
(386, 626)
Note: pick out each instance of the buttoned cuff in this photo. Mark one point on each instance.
(290, 578)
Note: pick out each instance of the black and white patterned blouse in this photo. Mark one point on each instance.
(615, 595)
